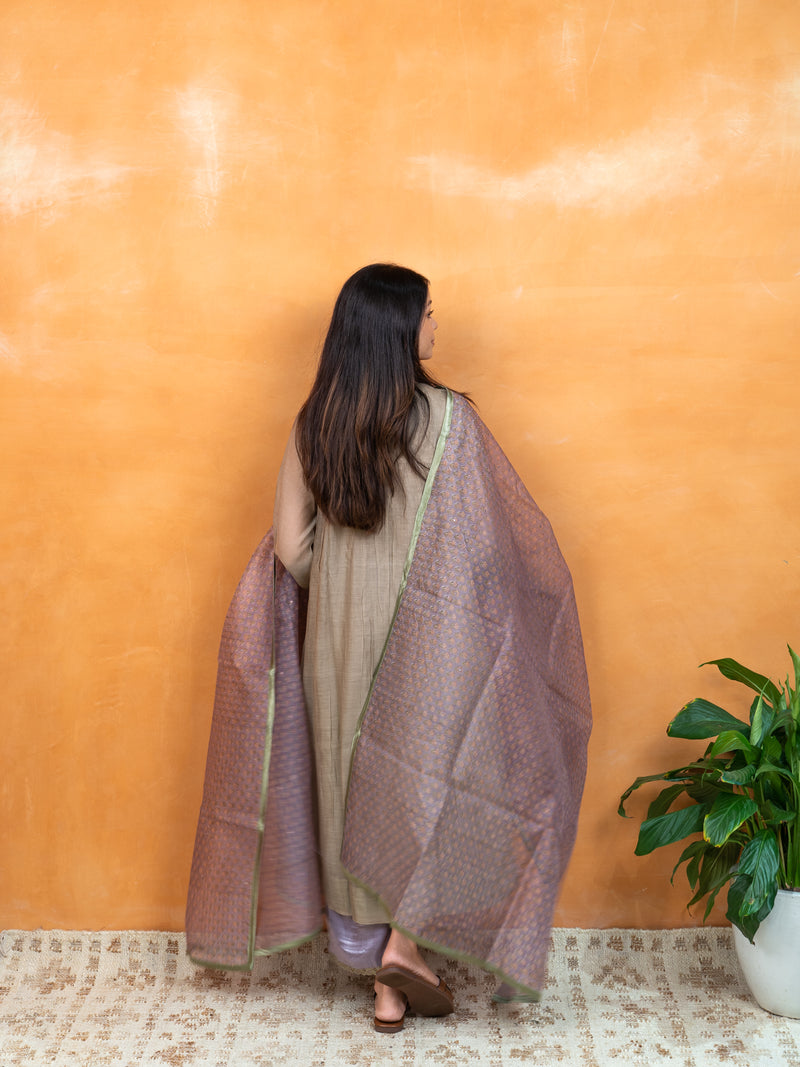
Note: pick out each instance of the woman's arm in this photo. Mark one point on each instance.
(294, 516)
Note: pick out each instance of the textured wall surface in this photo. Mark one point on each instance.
(606, 198)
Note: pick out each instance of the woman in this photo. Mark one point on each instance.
(348, 493)
(442, 672)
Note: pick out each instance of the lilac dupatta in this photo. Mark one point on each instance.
(469, 760)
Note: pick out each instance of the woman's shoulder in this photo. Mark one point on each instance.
(437, 397)
(436, 394)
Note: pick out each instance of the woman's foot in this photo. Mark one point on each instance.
(407, 975)
(401, 951)
(390, 1003)
(390, 1008)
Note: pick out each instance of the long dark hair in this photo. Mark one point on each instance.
(361, 415)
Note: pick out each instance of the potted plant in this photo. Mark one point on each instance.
(743, 819)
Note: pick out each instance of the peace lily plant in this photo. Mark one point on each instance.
(744, 795)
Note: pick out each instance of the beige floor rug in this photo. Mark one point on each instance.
(613, 997)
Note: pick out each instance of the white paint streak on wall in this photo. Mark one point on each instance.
(602, 35)
(221, 143)
(680, 155)
(41, 169)
(786, 98)
(626, 173)
(203, 116)
(571, 52)
(8, 353)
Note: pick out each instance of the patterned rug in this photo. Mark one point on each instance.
(623, 997)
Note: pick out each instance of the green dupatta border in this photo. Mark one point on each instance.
(522, 993)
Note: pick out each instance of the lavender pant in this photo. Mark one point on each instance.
(361, 947)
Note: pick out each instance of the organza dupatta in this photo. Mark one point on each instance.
(470, 758)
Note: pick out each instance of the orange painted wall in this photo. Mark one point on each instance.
(605, 196)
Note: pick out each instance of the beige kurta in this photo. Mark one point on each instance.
(353, 580)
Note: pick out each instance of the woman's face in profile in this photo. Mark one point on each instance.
(426, 331)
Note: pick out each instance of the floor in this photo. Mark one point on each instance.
(623, 997)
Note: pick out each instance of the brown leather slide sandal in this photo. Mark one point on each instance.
(389, 1026)
(423, 997)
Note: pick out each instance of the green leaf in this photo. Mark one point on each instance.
(784, 721)
(779, 815)
(796, 663)
(700, 718)
(734, 741)
(765, 767)
(693, 871)
(715, 871)
(793, 696)
(760, 861)
(664, 800)
(666, 829)
(772, 749)
(737, 673)
(693, 849)
(761, 721)
(686, 774)
(640, 782)
(712, 897)
(740, 776)
(723, 872)
(748, 922)
(706, 789)
(736, 895)
(727, 814)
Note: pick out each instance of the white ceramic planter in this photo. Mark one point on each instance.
(771, 966)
